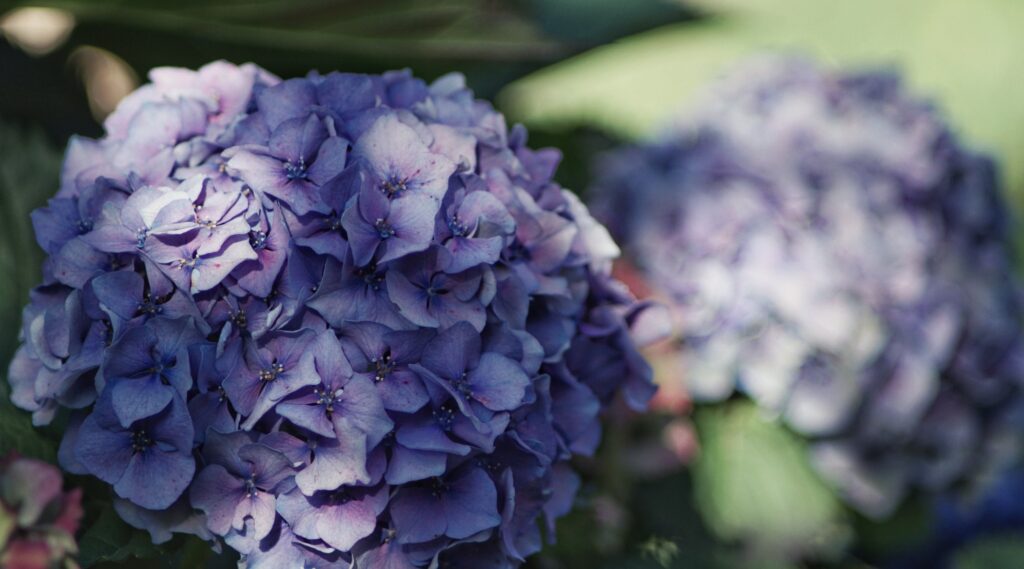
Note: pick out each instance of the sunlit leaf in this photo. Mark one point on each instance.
(754, 486)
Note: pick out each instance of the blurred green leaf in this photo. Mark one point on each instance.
(909, 525)
(584, 21)
(391, 28)
(17, 433)
(1002, 552)
(290, 37)
(578, 146)
(28, 174)
(29, 170)
(753, 486)
(664, 509)
(197, 553)
(109, 539)
(966, 53)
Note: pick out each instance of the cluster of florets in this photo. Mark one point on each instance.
(837, 256)
(329, 320)
(38, 519)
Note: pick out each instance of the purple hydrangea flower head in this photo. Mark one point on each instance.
(332, 321)
(835, 254)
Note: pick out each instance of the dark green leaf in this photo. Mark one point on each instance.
(910, 524)
(585, 21)
(1000, 552)
(109, 539)
(29, 169)
(28, 175)
(290, 37)
(18, 434)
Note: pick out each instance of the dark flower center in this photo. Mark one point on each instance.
(327, 399)
(258, 239)
(148, 307)
(240, 319)
(384, 229)
(339, 497)
(270, 298)
(457, 227)
(113, 263)
(370, 276)
(382, 366)
(250, 487)
(141, 440)
(394, 186)
(333, 221)
(295, 171)
(444, 416)
(108, 333)
(270, 374)
(490, 464)
(461, 384)
(517, 252)
(84, 226)
(438, 487)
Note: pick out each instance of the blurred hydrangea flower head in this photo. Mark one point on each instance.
(328, 320)
(38, 519)
(835, 254)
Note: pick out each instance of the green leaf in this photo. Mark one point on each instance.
(467, 29)
(290, 37)
(584, 21)
(28, 175)
(753, 485)
(195, 553)
(19, 435)
(388, 29)
(665, 509)
(29, 170)
(1002, 552)
(111, 539)
(908, 525)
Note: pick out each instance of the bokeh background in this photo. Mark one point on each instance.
(715, 487)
